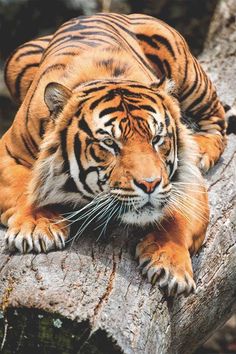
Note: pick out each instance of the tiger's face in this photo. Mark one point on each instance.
(114, 142)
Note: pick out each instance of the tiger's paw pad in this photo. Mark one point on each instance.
(41, 235)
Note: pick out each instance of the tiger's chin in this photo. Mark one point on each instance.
(142, 216)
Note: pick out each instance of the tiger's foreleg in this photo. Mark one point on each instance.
(164, 254)
(29, 228)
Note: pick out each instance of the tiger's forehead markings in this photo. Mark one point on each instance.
(125, 108)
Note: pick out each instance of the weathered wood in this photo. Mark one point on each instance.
(98, 285)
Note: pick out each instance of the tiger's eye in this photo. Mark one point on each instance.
(156, 139)
(108, 142)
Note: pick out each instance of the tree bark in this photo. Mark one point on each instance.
(94, 291)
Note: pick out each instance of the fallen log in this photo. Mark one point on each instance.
(91, 298)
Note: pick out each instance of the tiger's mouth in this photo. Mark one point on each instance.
(145, 214)
(106, 208)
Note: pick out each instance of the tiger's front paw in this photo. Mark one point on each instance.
(40, 232)
(168, 265)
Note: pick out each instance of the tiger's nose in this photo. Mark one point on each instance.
(148, 185)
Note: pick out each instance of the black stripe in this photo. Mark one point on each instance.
(83, 125)
(80, 105)
(67, 53)
(101, 131)
(13, 157)
(197, 100)
(123, 39)
(165, 43)
(70, 186)
(150, 97)
(121, 18)
(147, 39)
(29, 45)
(210, 104)
(132, 107)
(167, 68)
(192, 88)
(52, 149)
(27, 147)
(144, 128)
(110, 110)
(20, 77)
(60, 50)
(30, 52)
(93, 89)
(72, 21)
(63, 138)
(72, 28)
(136, 85)
(125, 29)
(42, 126)
(44, 39)
(124, 126)
(52, 45)
(82, 172)
(89, 41)
(95, 103)
(185, 70)
(143, 61)
(148, 108)
(213, 110)
(157, 61)
(94, 156)
(110, 121)
(32, 142)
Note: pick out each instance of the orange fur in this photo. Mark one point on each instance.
(94, 117)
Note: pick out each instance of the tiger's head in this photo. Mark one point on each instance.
(116, 145)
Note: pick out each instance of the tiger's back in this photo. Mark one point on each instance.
(154, 47)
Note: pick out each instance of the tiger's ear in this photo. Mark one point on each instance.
(56, 96)
(164, 84)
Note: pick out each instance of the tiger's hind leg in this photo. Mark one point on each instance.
(29, 229)
(169, 55)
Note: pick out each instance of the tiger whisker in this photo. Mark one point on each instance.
(85, 225)
(112, 212)
(186, 208)
(73, 214)
(188, 198)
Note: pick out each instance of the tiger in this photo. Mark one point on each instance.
(117, 120)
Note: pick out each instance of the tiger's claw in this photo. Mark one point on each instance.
(168, 267)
